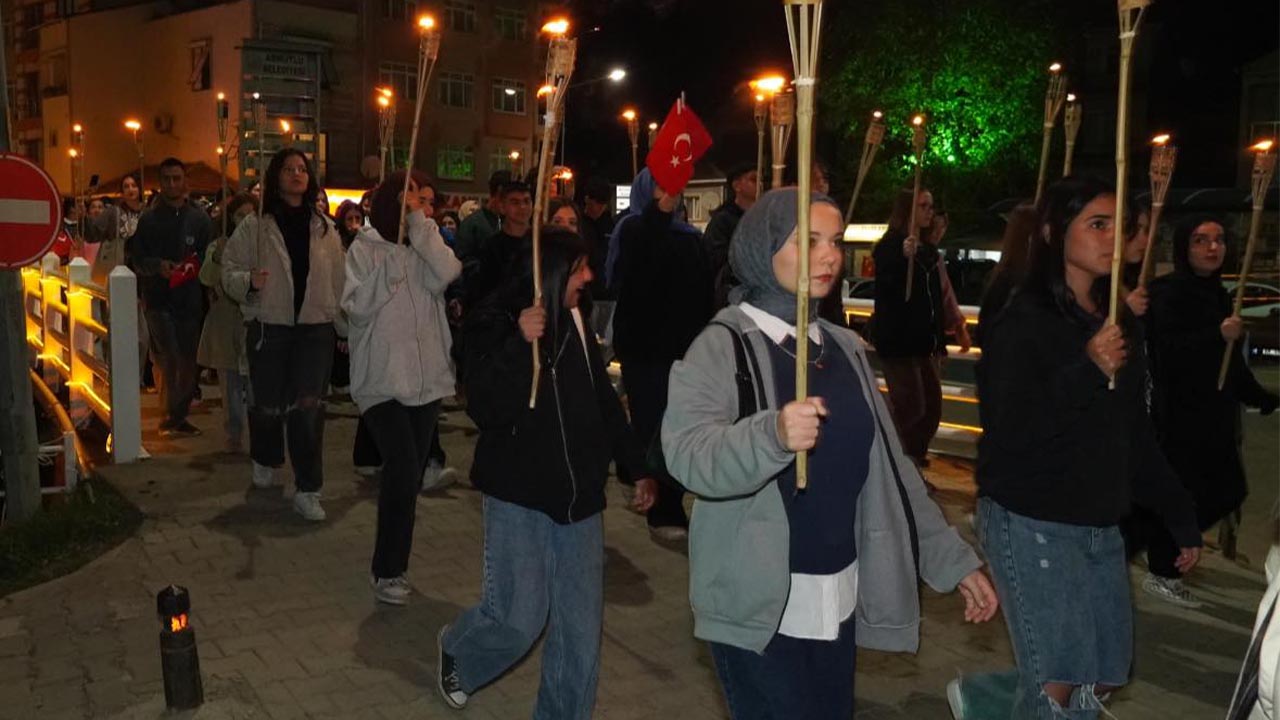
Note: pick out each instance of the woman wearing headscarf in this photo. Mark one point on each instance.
(786, 583)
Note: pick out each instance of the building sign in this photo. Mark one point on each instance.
(286, 79)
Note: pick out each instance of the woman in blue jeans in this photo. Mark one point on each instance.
(1060, 462)
(542, 471)
(786, 584)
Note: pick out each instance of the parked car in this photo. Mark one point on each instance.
(1261, 315)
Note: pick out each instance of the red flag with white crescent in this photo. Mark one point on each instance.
(680, 143)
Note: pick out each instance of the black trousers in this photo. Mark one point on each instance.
(175, 336)
(366, 453)
(646, 386)
(288, 371)
(403, 435)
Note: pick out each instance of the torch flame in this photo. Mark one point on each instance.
(385, 92)
(285, 126)
(257, 96)
(546, 90)
(78, 128)
(222, 96)
(515, 155)
(1161, 139)
(769, 84)
(1071, 97)
(1055, 68)
(73, 153)
(384, 101)
(629, 115)
(133, 125)
(759, 97)
(220, 150)
(565, 174)
(917, 120)
(877, 115)
(178, 623)
(653, 126)
(556, 26)
(426, 22)
(1263, 147)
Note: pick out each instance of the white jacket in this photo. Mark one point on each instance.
(394, 301)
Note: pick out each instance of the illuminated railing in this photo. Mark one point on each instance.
(85, 337)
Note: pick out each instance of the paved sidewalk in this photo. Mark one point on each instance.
(288, 628)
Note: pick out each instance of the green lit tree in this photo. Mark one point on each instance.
(975, 68)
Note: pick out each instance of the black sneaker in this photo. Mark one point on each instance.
(182, 429)
(447, 681)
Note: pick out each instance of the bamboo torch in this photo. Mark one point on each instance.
(875, 135)
(1163, 158)
(1071, 118)
(764, 88)
(78, 164)
(428, 52)
(259, 108)
(222, 113)
(633, 134)
(804, 29)
(286, 133)
(1053, 99)
(560, 59)
(1264, 166)
(782, 116)
(135, 127)
(918, 146)
(1130, 13)
(386, 127)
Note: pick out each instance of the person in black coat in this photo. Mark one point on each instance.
(909, 334)
(542, 471)
(665, 299)
(1199, 427)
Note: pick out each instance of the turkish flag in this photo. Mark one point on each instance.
(185, 271)
(680, 143)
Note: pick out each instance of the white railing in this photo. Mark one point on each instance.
(85, 337)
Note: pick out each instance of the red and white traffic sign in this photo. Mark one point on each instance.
(30, 211)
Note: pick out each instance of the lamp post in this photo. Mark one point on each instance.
(633, 134)
(136, 128)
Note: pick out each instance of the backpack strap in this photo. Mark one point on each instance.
(749, 391)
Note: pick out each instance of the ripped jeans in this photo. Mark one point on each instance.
(288, 372)
(1064, 591)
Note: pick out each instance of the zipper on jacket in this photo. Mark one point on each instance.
(422, 371)
(564, 440)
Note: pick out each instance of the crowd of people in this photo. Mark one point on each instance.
(403, 307)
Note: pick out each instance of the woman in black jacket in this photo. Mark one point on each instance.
(542, 471)
(1061, 460)
(908, 333)
(1198, 425)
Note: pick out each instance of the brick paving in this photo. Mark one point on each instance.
(288, 628)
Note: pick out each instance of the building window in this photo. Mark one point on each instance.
(460, 15)
(31, 95)
(455, 162)
(402, 78)
(399, 9)
(510, 23)
(31, 149)
(32, 18)
(500, 159)
(508, 96)
(456, 89)
(201, 68)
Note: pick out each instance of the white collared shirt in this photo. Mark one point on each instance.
(817, 604)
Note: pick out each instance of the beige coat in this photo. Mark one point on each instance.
(222, 340)
(273, 304)
(111, 231)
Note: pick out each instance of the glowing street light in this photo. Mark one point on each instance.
(617, 74)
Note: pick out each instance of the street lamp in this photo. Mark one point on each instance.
(136, 128)
(633, 134)
(617, 74)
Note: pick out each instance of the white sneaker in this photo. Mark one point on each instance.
(392, 591)
(669, 533)
(307, 504)
(367, 471)
(263, 476)
(955, 700)
(1171, 590)
(438, 478)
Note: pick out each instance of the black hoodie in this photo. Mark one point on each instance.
(1198, 425)
(902, 327)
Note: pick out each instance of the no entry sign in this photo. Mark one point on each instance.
(30, 211)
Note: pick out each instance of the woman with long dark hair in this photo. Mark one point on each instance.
(542, 471)
(1015, 257)
(1061, 460)
(400, 367)
(1190, 323)
(286, 269)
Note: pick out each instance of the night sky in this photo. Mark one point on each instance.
(710, 48)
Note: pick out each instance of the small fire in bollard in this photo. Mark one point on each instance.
(183, 689)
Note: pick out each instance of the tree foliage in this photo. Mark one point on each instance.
(976, 69)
